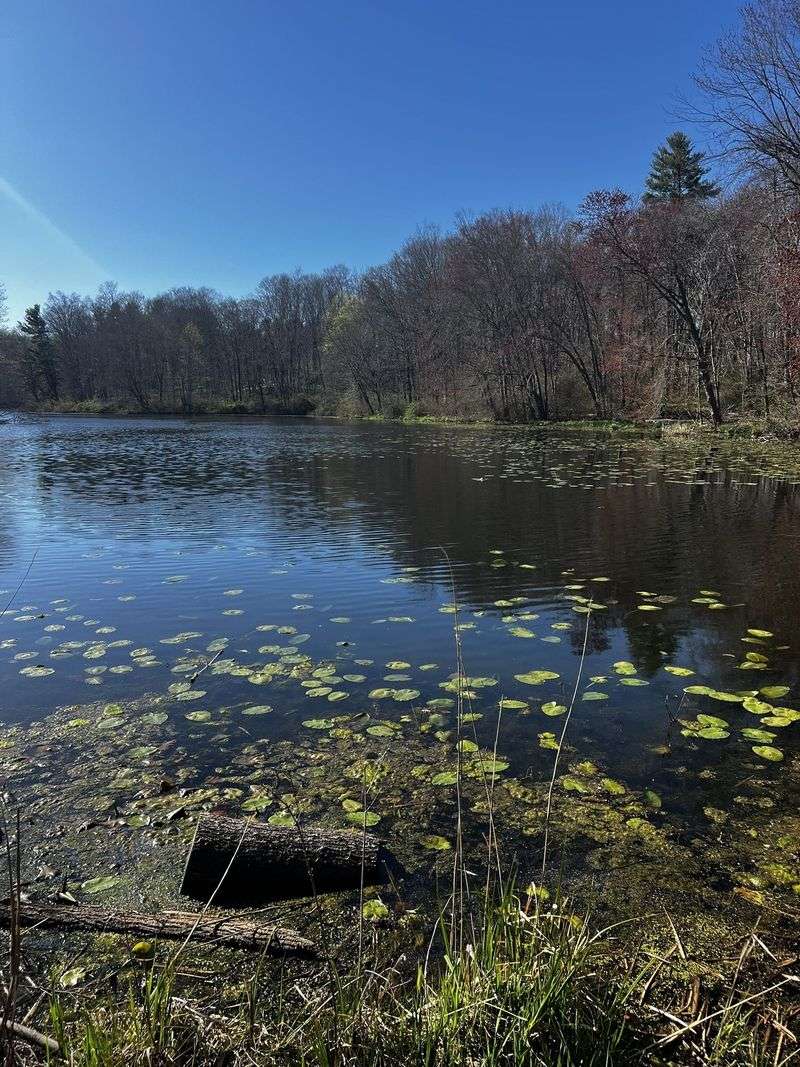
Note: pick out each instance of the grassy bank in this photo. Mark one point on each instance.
(655, 429)
(524, 981)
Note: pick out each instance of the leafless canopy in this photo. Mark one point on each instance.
(750, 84)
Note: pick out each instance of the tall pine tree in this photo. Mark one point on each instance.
(41, 376)
(677, 172)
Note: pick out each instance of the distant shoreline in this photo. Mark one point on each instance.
(752, 431)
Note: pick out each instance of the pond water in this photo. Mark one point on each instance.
(259, 576)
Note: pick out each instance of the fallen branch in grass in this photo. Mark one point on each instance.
(33, 1037)
(230, 931)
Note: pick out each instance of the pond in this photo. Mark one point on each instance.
(268, 613)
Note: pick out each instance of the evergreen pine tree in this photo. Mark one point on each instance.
(677, 172)
(40, 368)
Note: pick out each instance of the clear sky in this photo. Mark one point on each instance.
(166, 142)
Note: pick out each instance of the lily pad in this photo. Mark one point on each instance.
(100, 884)
(363, 818)
(435, 843)
(155, 718)
(774, 755)
(537, 677)
(553, 709)
(404, 695)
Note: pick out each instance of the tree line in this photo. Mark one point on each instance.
(684, 301)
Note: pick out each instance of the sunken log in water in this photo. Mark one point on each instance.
(249, 863)
(230, 931)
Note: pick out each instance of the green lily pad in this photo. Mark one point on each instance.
(622, 666)
(100, 884)
(757, 735)
(72, 977)
(537, 677)
(37, 672)
(381, 730)
(375, 910)
(712, 720)
(154, 718)
(575, 785)
(552, 708)
(774, 692)
(774, 755)
(435, 843)
(756, 706)
(612, 786)
(404, 695)
(363, 818)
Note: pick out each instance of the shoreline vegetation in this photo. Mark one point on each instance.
(751, 430)
(459, 963)
(518, 980)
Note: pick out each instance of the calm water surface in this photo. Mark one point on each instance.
(353, 538)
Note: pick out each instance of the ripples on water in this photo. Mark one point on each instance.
(356, 535)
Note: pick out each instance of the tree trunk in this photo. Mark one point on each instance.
(254, 863)
(230, 931)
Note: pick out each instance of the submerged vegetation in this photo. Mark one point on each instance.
(649, 936)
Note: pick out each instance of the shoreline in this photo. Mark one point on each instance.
(750, 431)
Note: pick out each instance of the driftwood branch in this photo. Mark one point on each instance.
(245, 862)
(32, 1037)
(229, 931)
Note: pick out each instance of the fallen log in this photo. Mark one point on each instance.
(229, 931)
(252, 863)
(32, 1037)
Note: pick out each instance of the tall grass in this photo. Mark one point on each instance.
(537, 987)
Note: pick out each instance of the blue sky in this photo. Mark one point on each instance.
(197, 142)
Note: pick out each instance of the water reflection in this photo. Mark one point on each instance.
(143, 525)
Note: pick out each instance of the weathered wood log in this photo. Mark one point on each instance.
(252, 863)
(32, 1037)
(230, 931)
